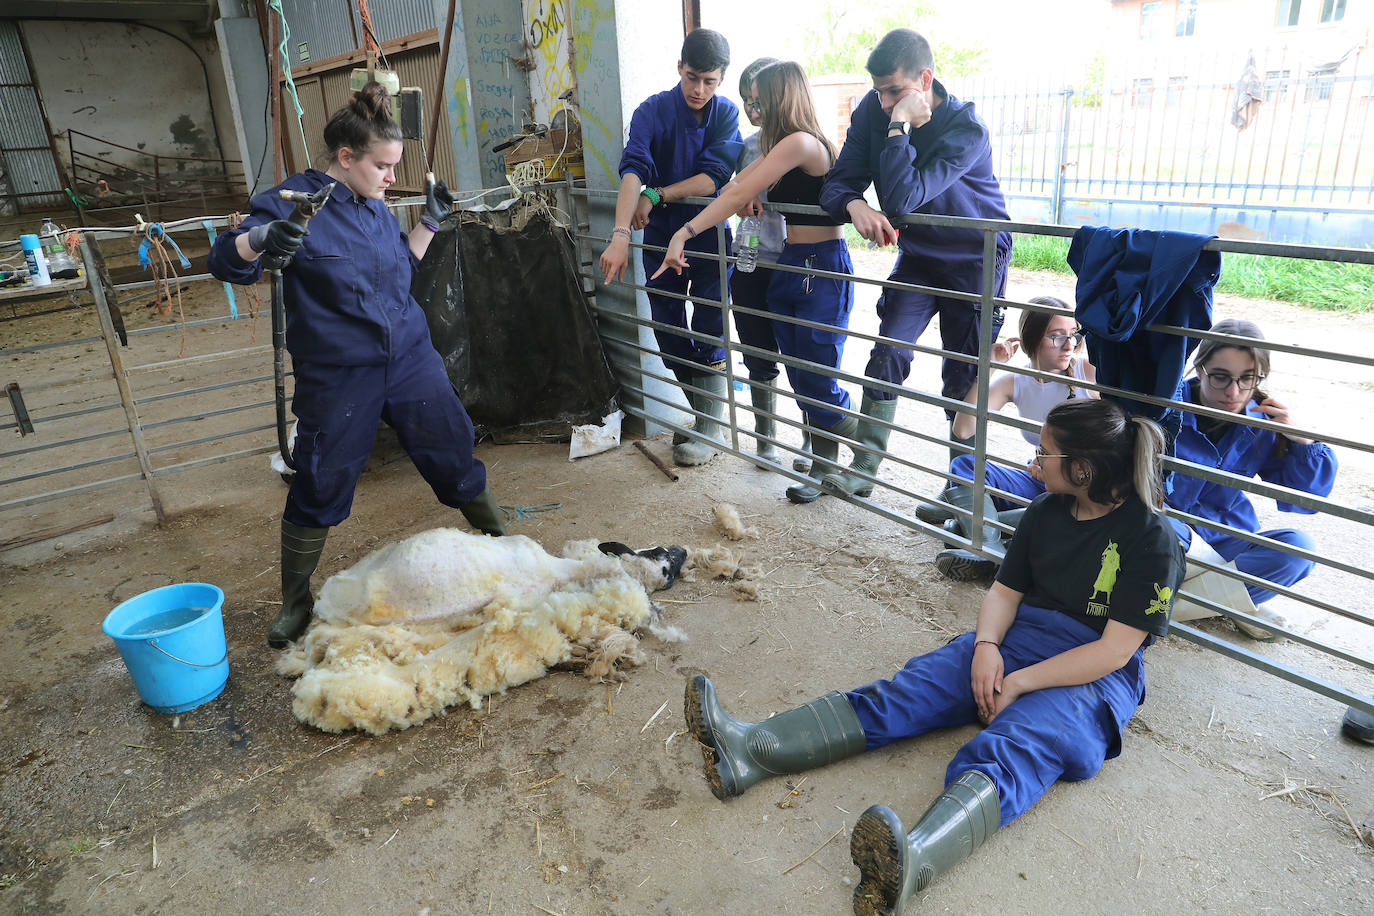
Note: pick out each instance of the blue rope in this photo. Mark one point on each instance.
(155, 231)
(520, 513)
(290, 83)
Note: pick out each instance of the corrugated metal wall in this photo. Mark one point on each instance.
(324, 26)
(323, 93)
(398, 18)
(29, 167)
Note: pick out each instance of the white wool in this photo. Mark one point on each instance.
(446, 617)
(729, 522)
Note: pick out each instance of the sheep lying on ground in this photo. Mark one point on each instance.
(446, 617)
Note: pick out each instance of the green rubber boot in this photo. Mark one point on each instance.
(739, 754)
(483, 514)
(802, 463)
(824, 450)
(954, 452)
(300, 554)
(866, 460)
(692, 453)
(895, 865)
(764, 399)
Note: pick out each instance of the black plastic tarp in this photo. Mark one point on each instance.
(507, 313)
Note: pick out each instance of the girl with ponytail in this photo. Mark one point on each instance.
(359, 344)
(1054, 668)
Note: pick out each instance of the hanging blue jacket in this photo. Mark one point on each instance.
(1129, 279)
(347, 289)
(666, 144)
(943, 167)
(1245, 451)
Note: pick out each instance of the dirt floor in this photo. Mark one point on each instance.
(1235, 791)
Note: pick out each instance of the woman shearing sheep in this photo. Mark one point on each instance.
(360, 348)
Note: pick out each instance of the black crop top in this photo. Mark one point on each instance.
(797, 187)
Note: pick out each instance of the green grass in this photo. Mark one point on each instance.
(85, 844)
(1323, 285)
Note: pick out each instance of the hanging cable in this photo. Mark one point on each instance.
(275, 6)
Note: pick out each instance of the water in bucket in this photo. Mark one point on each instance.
(172, 643)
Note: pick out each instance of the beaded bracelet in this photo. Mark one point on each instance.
(621, 230)
(655, 196)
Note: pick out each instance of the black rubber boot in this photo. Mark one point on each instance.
(935, 515)
(764, 399)
(866, 460)
(739, 754)
(965, 565)
(300, 554)
(692, 452)
(895, 865)
(825, 451)
(1358, 725)
(483, 514)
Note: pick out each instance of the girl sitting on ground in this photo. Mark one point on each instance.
(1054, 344)
(1054, 668)
(1228, 376)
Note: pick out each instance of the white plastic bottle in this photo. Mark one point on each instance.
(748, 251)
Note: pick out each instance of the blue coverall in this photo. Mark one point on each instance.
(360, 352)
(666, 145)
(943, 167)
(1247, 451)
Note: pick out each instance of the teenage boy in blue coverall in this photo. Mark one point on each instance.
(683, 142)
(925, 151)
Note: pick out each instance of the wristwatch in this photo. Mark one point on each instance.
(903, 126)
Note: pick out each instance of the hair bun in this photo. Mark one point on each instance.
(372, 102)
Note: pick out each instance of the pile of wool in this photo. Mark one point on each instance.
(446, 616)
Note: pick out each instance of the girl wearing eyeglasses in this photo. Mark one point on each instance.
(1054, 344)
(1228, 378)
(796, 157)
(1054, 667)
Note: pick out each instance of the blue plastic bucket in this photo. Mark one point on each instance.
(172, 642)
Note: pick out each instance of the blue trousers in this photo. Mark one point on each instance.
(700, 280)
(1264, 562)
(904, 315)
(751, 291)
(339, 407)
(1013, 480)
(1051, 734)
(820, 299)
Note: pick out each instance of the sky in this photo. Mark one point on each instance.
(1047, 38)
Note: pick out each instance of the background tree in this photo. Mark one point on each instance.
(842, 34)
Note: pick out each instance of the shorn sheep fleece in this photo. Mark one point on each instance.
(445, 617)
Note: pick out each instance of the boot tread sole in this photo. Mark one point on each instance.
(722, 786)
(876, 846)
(965, 569)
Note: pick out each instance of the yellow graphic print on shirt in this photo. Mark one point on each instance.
(1162, 598)
(1106, 581)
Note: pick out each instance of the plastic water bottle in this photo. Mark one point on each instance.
(52, 241)
(748, 251)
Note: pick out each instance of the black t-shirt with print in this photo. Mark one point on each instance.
(1125, 566)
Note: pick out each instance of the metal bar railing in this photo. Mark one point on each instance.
(728, 441)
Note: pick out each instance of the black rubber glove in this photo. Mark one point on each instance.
(438, 205)
(278, 239)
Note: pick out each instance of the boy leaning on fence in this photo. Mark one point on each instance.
(924, 151)
(683, 142)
